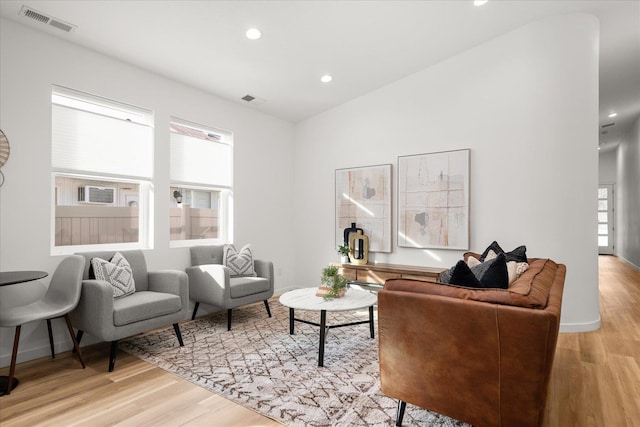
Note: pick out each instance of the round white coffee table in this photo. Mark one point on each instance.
(306, 299)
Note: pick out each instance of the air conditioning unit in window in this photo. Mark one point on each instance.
(98, 195)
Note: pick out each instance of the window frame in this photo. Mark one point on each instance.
(140, 116)
(225, 202)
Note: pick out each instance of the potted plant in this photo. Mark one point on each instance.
(334, 285)
(343, 250)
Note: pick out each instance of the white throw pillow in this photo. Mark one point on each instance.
(117, 273)
(473, 261)
(240, 263)
(515, 269)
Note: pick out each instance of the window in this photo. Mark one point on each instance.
(102, 165)
(200, 193)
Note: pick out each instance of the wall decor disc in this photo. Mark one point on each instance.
(5, 150)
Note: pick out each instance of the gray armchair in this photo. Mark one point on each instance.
(161, 298)
(210, 282)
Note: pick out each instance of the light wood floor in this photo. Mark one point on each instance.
(595, 379)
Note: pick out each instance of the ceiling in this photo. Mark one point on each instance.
(364, 45)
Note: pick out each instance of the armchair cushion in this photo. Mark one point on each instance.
(244, 286)
(144, 305)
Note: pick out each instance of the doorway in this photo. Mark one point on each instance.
(605, 220)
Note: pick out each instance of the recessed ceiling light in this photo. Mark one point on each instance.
(253, 34)
(326, 78)
(479, 2)
(613, 115)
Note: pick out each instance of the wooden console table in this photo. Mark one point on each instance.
(375, 275)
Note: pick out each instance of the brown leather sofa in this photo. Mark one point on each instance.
(482, 356)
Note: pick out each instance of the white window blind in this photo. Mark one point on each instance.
(98, 138)
(198, 160)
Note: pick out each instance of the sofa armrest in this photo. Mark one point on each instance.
(94, 312)
(209, 282)
(264, 269)
(171, 282)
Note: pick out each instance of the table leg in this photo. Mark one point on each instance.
(323, 333)
(371, 322)
(291, 317)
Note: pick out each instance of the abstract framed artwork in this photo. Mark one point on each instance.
(433, 200)
(363, 196)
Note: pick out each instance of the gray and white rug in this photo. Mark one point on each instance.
(260, 366)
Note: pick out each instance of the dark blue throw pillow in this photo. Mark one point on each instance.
(494, 274)
(519, 254)
(495, 247)
(463, 276)
(489, 274)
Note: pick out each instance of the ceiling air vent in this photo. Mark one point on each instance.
(608, 125)
(254, 100)
(27, 12)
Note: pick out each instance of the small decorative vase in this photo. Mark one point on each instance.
(344, 259)
(360, 256)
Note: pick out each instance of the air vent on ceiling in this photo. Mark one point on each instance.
(608, 125)
(254, 100)
(27, 12)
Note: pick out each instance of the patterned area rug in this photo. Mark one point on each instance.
(260, 366)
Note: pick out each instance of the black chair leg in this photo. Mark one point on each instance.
(195, 310)
(112, 355)
(53, 351)
(76, 345)
(78, 338)
(11, 381)
(229, 314)
(400, 414)
(176, 328)
(266, 304)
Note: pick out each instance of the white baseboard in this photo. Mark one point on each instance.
(629, 262)
(42, 349)
(32, 353)
(580, 327)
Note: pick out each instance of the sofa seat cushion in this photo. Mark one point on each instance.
(530, 290)
(244, 286)
(144, 305)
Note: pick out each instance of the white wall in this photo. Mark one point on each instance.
(526, 104)
(628, 197)
(607, 168)
(31, 62)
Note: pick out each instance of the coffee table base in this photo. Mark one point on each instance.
(324, 329)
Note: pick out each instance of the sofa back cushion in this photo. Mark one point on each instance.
(530, 290)
(134, 257)
(203, 255)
